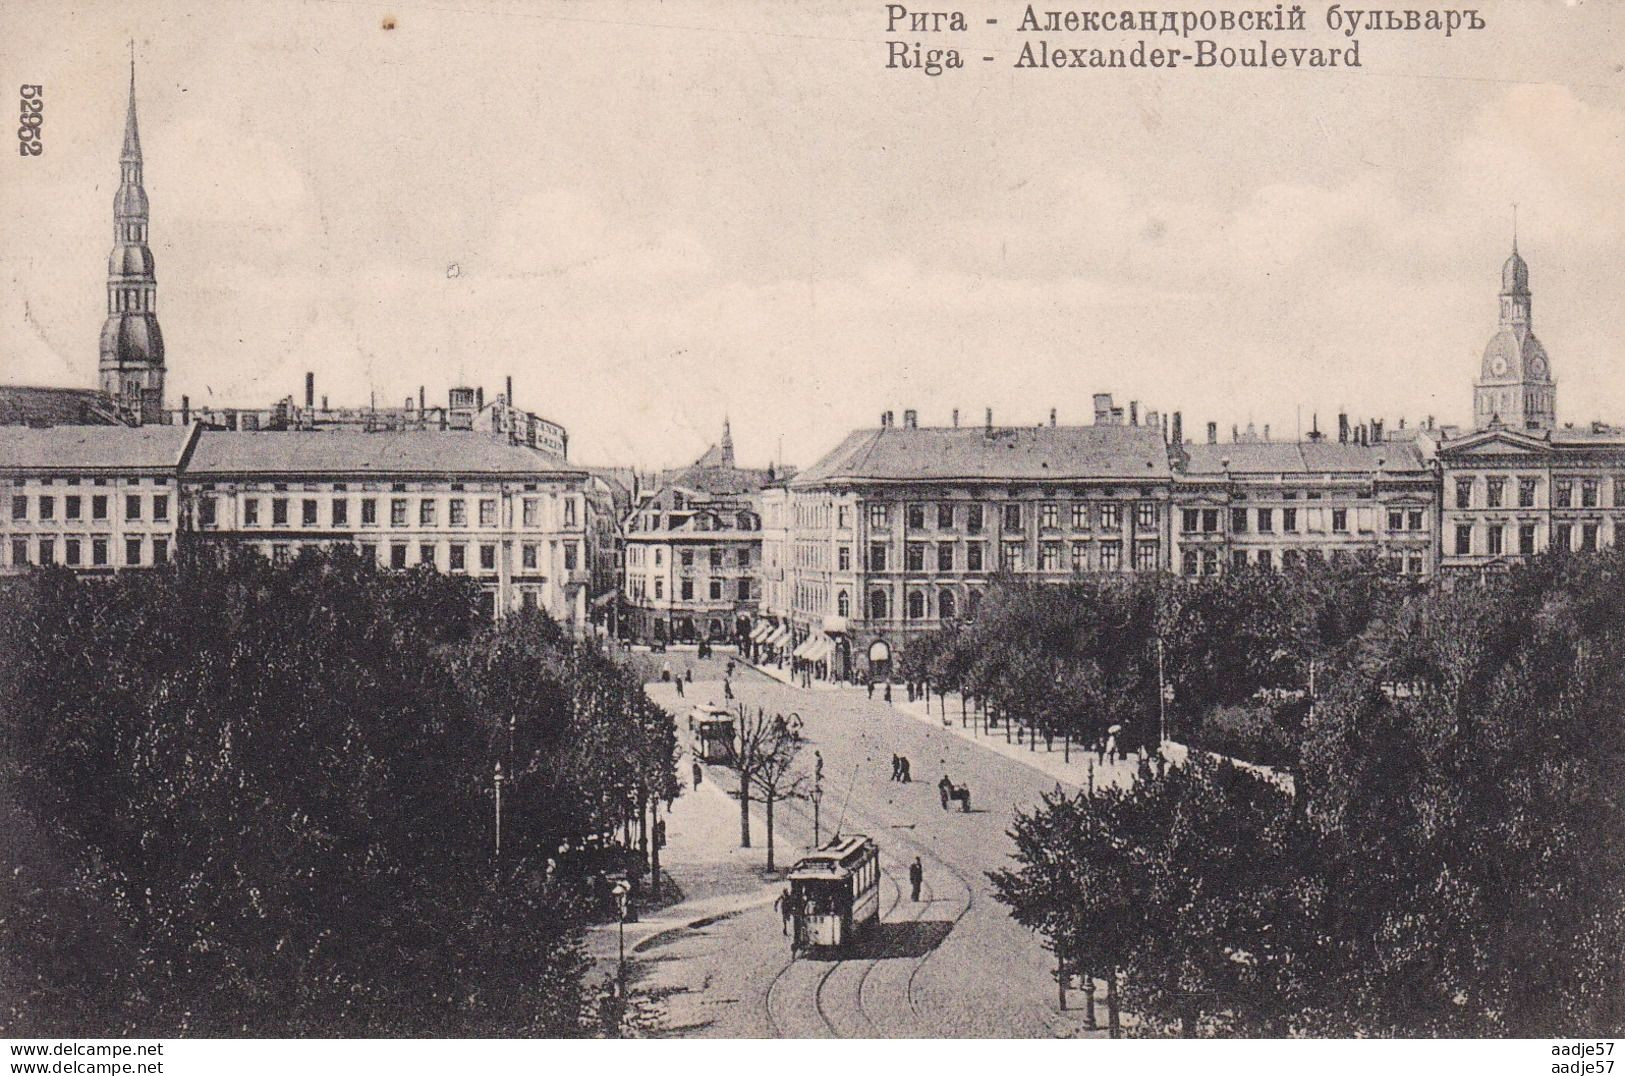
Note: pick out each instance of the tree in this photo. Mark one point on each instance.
(763, 755)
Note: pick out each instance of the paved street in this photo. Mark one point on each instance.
(953, 964)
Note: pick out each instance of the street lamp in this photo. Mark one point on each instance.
(498, 784)
(817, 793)
(621, 889)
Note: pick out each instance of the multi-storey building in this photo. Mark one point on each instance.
(693, 552)
(510, 517)
(1518, 484)
(775, 572)
(900, 528)
(1277, 504)
(92, 498)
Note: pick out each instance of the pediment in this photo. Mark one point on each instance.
(1496, 443)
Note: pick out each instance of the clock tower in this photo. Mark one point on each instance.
(1515, 387)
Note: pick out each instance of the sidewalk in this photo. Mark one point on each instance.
(784, 676)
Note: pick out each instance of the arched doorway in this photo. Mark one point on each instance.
(879, 660)
(842, 659)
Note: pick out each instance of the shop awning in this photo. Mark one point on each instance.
(778, 637)
(761, 631)
(821, 648)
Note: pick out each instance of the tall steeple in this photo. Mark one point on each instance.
(1515, 386)
(727, 444)
(132, 346)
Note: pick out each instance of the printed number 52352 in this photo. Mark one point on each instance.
(31, 121)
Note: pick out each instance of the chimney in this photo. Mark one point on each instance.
(911, 419)
(1235, 433)
(1052, 417)
(956, 418)
(1266, 433)
(1179, 428)
(1154, 420)
(885, 420)
(1117, 416)
(422, 399)
(1212, 433)
(1376, 430)
(508, 389)
(1430, 422)
(990, 420)
(1342, 428)
(479, 398)
(1134, 412)
(310, 389)
(324, 403)
(1103, 408)
(1314, 429)
(186, 410)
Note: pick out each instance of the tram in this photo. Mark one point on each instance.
(835, 894)
(713, 728)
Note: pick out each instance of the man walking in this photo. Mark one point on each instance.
(916, 877)
(783, 905)
(904, 773)
(896, 768)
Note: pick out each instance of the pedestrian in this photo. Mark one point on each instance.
(916, 877)
(871, 689)
(727, 689)
(679, 687)
(784, 907)
(896, 767)
(697, 775)
(908, 776)
(688, 674)
(888, 691)
(665, 672)
(730, 667)
(946, 788)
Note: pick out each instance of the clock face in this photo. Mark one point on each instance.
(1538, 367)
(1498, 366)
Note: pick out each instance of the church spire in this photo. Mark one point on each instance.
(727, 443)
(132, 347)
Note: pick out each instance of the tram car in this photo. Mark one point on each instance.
(713, 728)
(835, 894)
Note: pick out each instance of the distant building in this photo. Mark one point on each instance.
(899, 529)
(693, 552)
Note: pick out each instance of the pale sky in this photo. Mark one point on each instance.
(662, 213)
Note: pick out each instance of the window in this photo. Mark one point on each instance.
(686, 589)
(531, 510)
(687, 557)
(1238, 559)
(457, 512)
(1048, 515)
(1111, 556)
(1588, 537)
(1238, 520)
(251, 511)
(914, 556)
(877, 605)
(341, 511)
(660, 588)
(1493, 489)
(1563, 494)
(1588, 493)
(132, 506)
(569, 556)
(744, 590)
(488, 511)
(279, 511)
(1526, 539)
(1415, 562)
(945, 517)
(1187, 561)
(1266, 521)
(945, 556)
(1526, 493)
(1464, 493)
(1145, 556)
(1111, 516)
(72, 552)
(916, 605)
(973, 556)
(1493, 537)
(877, 516)
(1012, 556)
(843, 558)
(1619, 491)
(1563, 537)
(132, 551)
(307, 512)
(715, 590)
(205, 510)
(660, 556)
(744, 556)
(527, 555)
(397, 556)
(71, 507)
(916, 517)
(1289, 520)
(1012, 517)
(1265, 560)
(459, 557)
(426, 510)
(19, 552)
(716, 557)
(369, 511)
(1289, 558)
(426, 553)
(47, 507)
(47, 551)
(1145, 516)
(843, 603)
(1049, 556)
(877, 556)
(1340, 520)
(843, 517)
(19, 508)
(1190, 520)
(947, 605)
(973, 518)
(1396, 519)
(569, 511)
(1416, 518)
(98, 552)
(1080, 556)
(1080, 515)
(1464, 539)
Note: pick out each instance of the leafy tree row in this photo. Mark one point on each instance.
(255, 799)
(1446, 861)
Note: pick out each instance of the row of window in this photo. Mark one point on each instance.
(1263, 520)
(74, 506)
(715, 556)
(1206, 561)
(1497, 487)
(428, 512)
(84, 552)
(1496, 536)
(1012, 514)
(916, 604)
(742, 589)
(1052, 556)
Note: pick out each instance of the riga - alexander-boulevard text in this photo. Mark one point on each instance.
(1044, 54)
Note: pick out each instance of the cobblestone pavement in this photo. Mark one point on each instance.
(952, 965)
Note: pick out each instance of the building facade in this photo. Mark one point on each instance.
(900, 529)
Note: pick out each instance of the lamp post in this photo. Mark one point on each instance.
(621, 889)
(497, 781)
(817, 793)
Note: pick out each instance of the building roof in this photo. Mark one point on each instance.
(1303, 457)
(356, 452)
(1040, 453)
(76, 448)
(31, 405)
